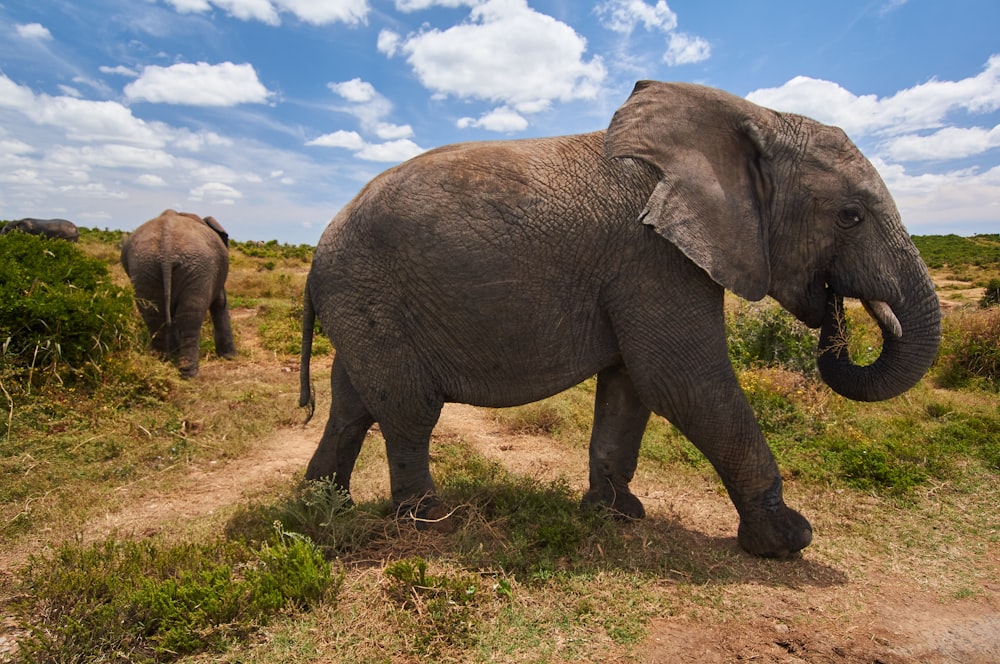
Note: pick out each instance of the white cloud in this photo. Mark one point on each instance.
(624, 15)
(683, 49)
(349, 140)
(322, 12)
(354, 90)
(506, 52)
(317, 12)
(390, 151)
(81, 120)
(35, 31)
(416, 5)
(120, 70)
(215, 193)
(388, 42)
(962, 196)
(149, 180)
(921, 107)
(370, 108)
(947, 143)
(199, 84)
(501, 119)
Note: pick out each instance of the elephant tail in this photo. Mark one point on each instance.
(306, 395)
(167, 273)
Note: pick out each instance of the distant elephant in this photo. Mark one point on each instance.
(178, 264)
(499, 273)
(51, 228)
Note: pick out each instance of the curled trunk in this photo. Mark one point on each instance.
(911, 334)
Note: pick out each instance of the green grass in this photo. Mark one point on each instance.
(152, 601)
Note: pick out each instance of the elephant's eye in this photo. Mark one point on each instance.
(850, 216)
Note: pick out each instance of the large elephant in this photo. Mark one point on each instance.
(499, 273)
(178, 264)
(51, 228)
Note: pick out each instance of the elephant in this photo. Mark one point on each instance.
(178, 263)
(51, 228)
(498, 273)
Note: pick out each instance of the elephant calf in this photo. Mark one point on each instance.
(178, 264)
(500, 273)
(52, 228)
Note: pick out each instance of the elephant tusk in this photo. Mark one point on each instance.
(882, 312)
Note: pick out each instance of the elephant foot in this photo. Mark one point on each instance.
(621, 503)
(783, 533)
(427, 513)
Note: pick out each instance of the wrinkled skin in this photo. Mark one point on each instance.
(178, 264)
(52, 228)
(500, 273)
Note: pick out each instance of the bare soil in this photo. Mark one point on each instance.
(866, 614)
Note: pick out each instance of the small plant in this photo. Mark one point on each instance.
(991, 297)
(149, 601)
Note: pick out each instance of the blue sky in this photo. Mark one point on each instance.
(272, 114)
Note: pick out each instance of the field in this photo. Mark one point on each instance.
(145, 518)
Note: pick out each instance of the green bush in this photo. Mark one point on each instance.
(148, 601)
(765, 335)
(991, 297)
(60, 313)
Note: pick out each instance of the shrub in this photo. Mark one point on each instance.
(970, 350)
(147, 601)
(767, 335)
(991, 297)
(59, 310)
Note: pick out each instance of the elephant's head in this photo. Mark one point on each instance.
(777, 204)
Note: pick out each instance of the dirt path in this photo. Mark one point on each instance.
(855, 618)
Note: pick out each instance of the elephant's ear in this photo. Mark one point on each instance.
(217, 227)
(714, 187)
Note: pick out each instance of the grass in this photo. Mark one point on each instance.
(906, 488)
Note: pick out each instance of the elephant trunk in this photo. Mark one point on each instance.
(911, 335)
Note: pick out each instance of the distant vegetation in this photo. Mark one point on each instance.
(951, 250)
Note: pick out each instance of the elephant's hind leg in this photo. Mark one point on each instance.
(345, 432)
(620, 419)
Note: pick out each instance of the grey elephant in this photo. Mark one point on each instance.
(51, 228)
(499, 273)
(178, 264)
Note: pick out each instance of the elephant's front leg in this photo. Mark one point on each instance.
(620, 419)
(722, 425)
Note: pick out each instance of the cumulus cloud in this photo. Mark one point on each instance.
(371, 109)
(947, 143)
(506, 53)
(349, 140)
(35, 31)
(317, 12)
(921, 107)
(215, 193)
(624, 16)
(198, 84)
(684, 49)
(499, 119)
